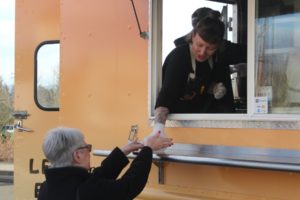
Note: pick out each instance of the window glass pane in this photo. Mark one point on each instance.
(48, 75)
(277, 56)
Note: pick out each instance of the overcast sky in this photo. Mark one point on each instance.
(7, 36)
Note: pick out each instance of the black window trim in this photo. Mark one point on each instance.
(35, 75)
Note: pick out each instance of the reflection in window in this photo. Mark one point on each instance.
(277, 56)
(47, 75)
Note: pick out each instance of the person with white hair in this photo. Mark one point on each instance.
(70, 177)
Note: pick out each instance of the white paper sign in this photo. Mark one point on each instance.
(261, 105)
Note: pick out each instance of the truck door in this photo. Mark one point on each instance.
(36, 23)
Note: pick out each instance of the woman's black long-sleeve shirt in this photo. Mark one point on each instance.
(182, 95)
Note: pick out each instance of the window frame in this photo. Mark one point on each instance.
(245, 120)
(36, 100)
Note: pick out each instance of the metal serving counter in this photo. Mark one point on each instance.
(249, 157)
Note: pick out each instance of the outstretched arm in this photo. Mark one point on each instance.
(161, 114)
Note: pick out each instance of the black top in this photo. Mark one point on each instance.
(181, 40)
(66, 183)
(181, 95)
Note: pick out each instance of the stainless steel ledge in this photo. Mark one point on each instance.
(233, 156)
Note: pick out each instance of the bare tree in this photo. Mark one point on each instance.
(6, 104)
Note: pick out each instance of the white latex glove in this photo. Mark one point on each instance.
(159, 127)
(219, 90)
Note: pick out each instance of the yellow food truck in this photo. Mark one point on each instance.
(96, 65)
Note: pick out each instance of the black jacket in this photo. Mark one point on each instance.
(66, 183)
(175, 85)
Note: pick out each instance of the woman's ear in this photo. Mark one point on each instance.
(76, 157)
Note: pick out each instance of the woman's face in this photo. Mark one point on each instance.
(201, 49)
(86, 159)
(82, 156)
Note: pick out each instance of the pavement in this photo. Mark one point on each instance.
(6, 191)
(6, 182)
(6, 166)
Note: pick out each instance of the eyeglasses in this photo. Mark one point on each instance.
(88, 147)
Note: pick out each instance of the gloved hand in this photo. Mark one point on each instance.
(219, 90)
(159, 127)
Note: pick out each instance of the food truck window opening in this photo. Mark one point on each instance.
(272, 92)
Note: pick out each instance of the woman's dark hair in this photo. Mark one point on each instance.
(203, 12)
(210, 30)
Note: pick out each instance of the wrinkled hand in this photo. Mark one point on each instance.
(156, 142)
(132, 146)
(219, 90)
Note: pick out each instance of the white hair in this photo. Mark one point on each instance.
(59, 145)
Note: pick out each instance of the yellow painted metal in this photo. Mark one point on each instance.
(36, 21)
(104, 90)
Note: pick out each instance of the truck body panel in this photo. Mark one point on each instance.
(104, 91)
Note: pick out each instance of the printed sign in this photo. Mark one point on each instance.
(261, 105)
